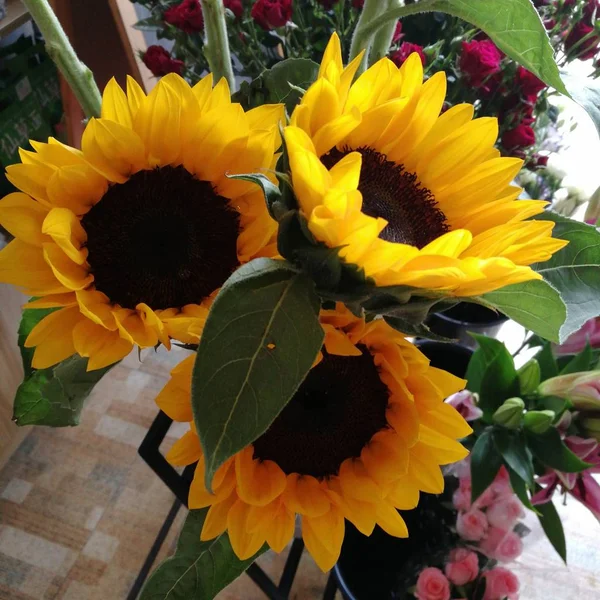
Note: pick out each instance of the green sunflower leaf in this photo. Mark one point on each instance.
(270, 190)
(55, 396)
(534, 304)
(198, 570)
(513, 25)
(574, 271)
(260, 340)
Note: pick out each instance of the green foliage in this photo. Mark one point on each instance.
(198, 570)
(492, 374)
(573, 271)
(530, 376)
(580, 362)
(534, 304)
(285, 82)
(547, 362)
(551, 451)
(513, 448)
(485, 463)
(552, 526)
(55, 396)
(260, 340)
(520, 489)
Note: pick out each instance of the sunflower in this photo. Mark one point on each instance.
(411, 196)
(131, 236)
(366, 431)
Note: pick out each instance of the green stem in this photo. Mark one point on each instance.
(383, 38)
(77, 75)
(367, 29)
(361, 40)
(217, 42)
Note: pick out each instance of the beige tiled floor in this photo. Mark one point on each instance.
(79, 510)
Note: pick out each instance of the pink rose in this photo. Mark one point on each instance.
(509, 548)
(492, 540)
(464, 403)
(505, 512)
(500, 584)
(501, 484)
(432, 585)
(461, 500)
(485, 499)
(463, 566)
(471, 525)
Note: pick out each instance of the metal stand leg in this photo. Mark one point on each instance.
(330, 588)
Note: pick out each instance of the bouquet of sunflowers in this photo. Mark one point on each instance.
(295, 239)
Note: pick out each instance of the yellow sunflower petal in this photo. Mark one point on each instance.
(115, 106)
(65, 229)
(22, 217)
(103, 347)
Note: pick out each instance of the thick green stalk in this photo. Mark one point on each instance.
(217, 43)
(360, 40)
(77, 75)
(383, 38)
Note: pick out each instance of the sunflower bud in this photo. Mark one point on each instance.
(510, 413)
(591, 425)
(582, 389)
(538, 421)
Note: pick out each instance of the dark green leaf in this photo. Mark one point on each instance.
(260, 340)
(55, 396)
(287, 78)
(580, 362)
(586, 92)
(552, 526)
(514, 451)
(492, 374)
(554, 403)
(550, 450)
(534, 304)
(29, 319)
(520, 489)
(198, 570)
(270, 190)
(515, 27)
(485, 463)
(547, 362)
(573, 271)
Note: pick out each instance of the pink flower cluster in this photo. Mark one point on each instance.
(487, 526)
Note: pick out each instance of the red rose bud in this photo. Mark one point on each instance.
(529, 84)
(479, 60)
(235, 6)
(582, 50)
(358, 4)
(406, 49)
(186, 16)
(521, 136)
(398, 35)
(591, 11)
(160, 62)
(270, 14)
(541, 161)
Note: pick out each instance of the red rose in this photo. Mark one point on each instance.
(521, 136)
(235, 6)
(358, 4)
(270, 14)
(406, 49)
(582, 50)
(529, 84)
(479, 60)
(187, 16)
(159, 61)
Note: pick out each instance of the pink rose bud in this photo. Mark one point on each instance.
(505, 512)
(509, 548)
(491, 540)
(432, 585)
(485, 499)
(471, 525)
(501, 584)
(463, 566)
(501, 484)
(461, 499)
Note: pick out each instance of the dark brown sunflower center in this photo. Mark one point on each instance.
(163, 238)
(333, 415)
(391, 192)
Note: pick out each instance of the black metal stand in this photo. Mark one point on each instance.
(179, 484)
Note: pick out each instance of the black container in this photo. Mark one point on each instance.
(465, 317)
(375, 567)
